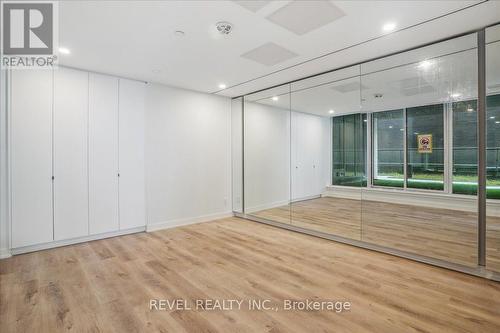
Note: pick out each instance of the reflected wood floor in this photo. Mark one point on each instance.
(106, 285)
(437, 233)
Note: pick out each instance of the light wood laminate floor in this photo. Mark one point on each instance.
(444, 234)
(106, 285)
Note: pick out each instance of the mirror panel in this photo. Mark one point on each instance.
(266, 170)
(419, 103)
(328, 153)
(493, 148)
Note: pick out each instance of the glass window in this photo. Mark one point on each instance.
(388, 148)
(493, 147)
(425, 141)
(465, 147)
(349, 150)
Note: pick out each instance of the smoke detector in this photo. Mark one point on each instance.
(224, 28)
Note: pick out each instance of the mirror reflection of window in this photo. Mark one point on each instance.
(388, 148)
(349, 150)
(425, 165)
(465, 147)
(493, 147)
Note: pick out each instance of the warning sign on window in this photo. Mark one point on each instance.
(424, 143)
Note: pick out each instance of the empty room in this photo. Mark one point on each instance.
(250, 166)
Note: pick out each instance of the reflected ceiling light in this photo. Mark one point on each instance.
(331, 111)
(455, 95)
(275, 98)
(389, 26)
(401, 129)
(222, 86)
(497, 122)
(469, 109)
(416, 133)
(64, 50)
(391, 126)
(426, 64)
(365, 120)
(492, 117)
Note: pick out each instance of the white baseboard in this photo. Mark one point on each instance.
(309, 197)
(50, 245)
(4, 253)
(187, 221)
(258, 208)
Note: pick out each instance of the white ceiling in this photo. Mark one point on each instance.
(136, 38)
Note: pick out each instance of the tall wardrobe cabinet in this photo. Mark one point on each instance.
(30, 157)
(70, 155)
(76, 143)
(103, 153)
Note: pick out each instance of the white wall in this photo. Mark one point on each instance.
(237, 154)
(188, 156)
(4, 221)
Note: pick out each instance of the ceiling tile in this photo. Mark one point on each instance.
(348, 87)
(301, 17)
(269, 54)
(252, 5)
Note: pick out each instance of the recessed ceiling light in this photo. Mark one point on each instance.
(389, 26)
(275, 98)
(156, 71)
(222, 86)
(179, 33)
(64, 50)
(331, 111)
(425, 64)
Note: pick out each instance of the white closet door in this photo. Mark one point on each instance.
(70, 154)
(31, 157)
(131, 129)
(103, 154)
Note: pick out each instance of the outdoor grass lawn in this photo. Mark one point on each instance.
(462, 184)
